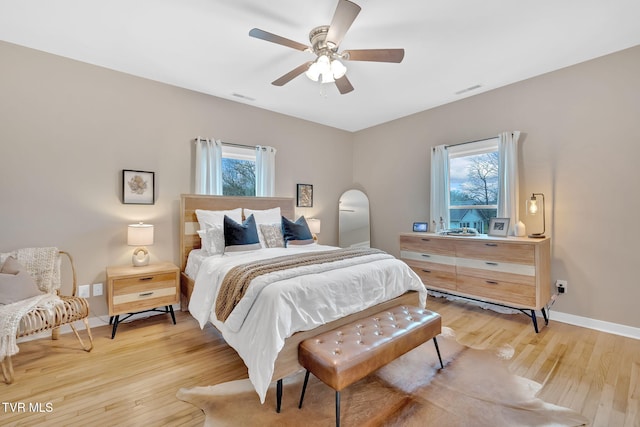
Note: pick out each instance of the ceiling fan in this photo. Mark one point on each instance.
(325, 41)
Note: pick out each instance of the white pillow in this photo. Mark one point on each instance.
(212, 240)
(265, 216)
(209, 219)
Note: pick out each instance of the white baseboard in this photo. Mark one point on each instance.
(585, 322)
(95, 322)
(598, 325)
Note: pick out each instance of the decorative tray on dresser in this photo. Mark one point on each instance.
(508, 271)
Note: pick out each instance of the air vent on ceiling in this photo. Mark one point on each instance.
(469, 89)
(239, 95)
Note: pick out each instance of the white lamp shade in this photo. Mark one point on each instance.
(314, 225)
(337, 69)
(140, 234)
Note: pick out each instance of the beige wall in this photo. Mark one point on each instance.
(580, 147)
(67, 129)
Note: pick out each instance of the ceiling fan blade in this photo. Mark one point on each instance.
(344, 85)
(344, 16)
(291, 74)
(273, 38)
(376, 55)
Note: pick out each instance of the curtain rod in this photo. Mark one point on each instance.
(467, 142)
(231, 144)
(470, 142)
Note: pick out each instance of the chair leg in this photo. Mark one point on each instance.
(55, 333)
(75, 331)
(7, 369)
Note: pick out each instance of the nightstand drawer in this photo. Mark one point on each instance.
(166, 294)
(135, 289)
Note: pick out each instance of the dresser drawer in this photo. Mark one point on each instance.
(517, 253)
(427, 244)
(434, 275)
(487, 269)
(494, 289)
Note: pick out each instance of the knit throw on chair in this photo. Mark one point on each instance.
(44, 265)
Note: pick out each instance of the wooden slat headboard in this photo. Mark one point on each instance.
(189, 238)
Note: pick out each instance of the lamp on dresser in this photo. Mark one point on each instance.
(140, 235)
(533, 209)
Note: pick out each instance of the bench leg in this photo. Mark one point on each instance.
(278, 395)
(337, 409)
(435, 342)
(304, 388)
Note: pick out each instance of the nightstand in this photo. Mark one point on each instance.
(132, 290)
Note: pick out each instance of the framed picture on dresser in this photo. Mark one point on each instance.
(499, 227)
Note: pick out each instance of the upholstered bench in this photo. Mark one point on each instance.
(347, 354)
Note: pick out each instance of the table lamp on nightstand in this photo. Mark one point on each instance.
(314, 227)
(140, 235)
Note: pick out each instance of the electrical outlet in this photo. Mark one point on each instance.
(561, 286)
(84, 291)
(97, 289)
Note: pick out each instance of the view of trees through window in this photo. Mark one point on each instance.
(473, 190)
(238, 177)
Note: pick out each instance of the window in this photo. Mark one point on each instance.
(238, 171)
(473, 184)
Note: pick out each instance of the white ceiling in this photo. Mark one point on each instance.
(450, 45)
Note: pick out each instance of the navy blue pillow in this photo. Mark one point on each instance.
(296, 231)
(240, 237)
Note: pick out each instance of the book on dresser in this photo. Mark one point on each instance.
(509, 271)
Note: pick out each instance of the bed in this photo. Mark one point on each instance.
(264, 372)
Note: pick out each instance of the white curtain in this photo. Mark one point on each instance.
(439, 186)
(208, 166)
(508, 200)
(265, 171)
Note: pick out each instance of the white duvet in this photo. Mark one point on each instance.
(269, 314)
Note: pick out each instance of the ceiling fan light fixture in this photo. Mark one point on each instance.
(327, 77)
(313, 72)
(327, 69)
(337, 69)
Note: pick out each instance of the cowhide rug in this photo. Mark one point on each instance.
(475, 388)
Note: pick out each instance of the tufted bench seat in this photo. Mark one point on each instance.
(347, 354)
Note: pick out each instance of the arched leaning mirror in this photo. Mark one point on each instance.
(353, 226)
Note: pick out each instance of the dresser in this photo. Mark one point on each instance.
(132, 290)
(509, 271)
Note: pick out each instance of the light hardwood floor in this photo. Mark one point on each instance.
(133, 380)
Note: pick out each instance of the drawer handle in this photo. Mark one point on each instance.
(491, 282)
(426, 240)
(492, 263)
(426, 271)
(426, 256)
(145, 294)
(491, 244)
(146, 278)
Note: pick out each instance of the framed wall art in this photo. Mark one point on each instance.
(498, 227)
(304, 197)
(138, 187)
